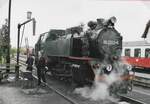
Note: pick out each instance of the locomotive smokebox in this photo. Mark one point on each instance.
(105, 43)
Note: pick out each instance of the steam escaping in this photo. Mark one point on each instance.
(102, 84)
(99, 90)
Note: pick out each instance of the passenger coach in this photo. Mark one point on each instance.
(137, 53)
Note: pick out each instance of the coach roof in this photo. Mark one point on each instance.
(135, 43)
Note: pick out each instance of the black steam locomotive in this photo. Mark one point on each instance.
(86, 56)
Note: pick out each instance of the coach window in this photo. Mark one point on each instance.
(127, 52)
(147, 52)
(137, 52)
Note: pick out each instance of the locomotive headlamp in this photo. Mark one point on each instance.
(129, 67)
(108, 67)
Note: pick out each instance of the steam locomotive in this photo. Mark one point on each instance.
(86, 56)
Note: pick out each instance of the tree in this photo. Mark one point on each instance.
(13, 51)
(4, 41)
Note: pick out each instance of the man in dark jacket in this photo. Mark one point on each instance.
(41, 70)
(29, 63)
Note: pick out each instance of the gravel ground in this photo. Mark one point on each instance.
(13, 93)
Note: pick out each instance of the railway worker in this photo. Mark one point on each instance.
(41, 69)
(29, 62)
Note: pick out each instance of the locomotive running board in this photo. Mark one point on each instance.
(81, 58)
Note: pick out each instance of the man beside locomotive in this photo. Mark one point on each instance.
(41, 69)
(29, 63)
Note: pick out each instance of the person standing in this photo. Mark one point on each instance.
(29, 62)
(41, 70)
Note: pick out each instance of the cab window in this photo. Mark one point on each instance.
(127, 52)
(137, 52)
(147, 52)
(43, 37)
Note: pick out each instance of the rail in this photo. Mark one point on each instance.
(130, 100)
(7, 66)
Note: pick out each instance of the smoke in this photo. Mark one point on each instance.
(100, 91)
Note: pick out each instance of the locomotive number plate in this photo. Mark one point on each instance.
(110, 42)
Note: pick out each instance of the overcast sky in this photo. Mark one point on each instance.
(132, 15)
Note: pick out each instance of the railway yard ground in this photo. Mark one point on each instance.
(58, 92)
(12, 94)
(22, 92)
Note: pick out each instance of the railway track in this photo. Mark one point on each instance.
(22, 62)
(142, 81)
(130, 100)
(123, 98)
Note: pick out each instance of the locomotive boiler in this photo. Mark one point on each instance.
(84, 57)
